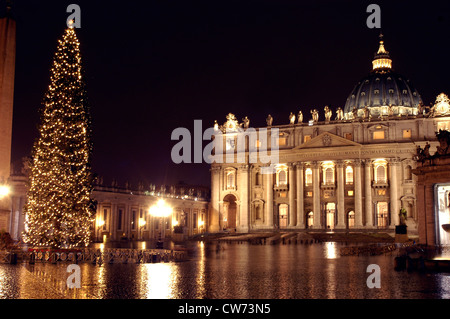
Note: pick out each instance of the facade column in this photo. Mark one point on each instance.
(269, 199)
(113, 219)
(358, 194)
(127, 220)
(368, 193)
(421, 210)
(340, 195)
(292, 191)
(393, 190)
(430, 225)
(214, 206)
(316, 196)
(300, 193)
(244, 190)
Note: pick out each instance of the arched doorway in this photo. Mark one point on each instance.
(283, 215)
(382, 215)
(309, 219)
(229, 212)
(351, 219)
(330, 209)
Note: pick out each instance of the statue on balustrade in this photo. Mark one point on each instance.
(315, 115)
(339, 114)
(300, 117)
(328, 113)
(269, 120)
(292, 118)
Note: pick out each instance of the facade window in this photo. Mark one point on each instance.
(349, 136)
(306, 138)
(230, 143)
(133, 219)
(258, 179)
(308, 177)
(258, 212)
(309, 194)
(105, 218)
(378, 135)
(282, 141)
(381, 174)
(329, 176)
(408, 174)
(381, 192)
(380, 170)
(282, 178)
(328, 172)
(282, 175)
(407, 133)
(231, 180)
(257, 143)
(349, 175)
(350, 193)
(119, 221)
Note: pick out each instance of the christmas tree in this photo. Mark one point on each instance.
(59, 210)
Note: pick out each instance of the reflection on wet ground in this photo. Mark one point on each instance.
(235, 270)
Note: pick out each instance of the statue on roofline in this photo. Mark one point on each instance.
(328, 113)
(269, 120)
(292, 118)
(300, 117)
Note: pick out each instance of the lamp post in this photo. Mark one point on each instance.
(160, 210)
(4, 191)
(201, 225)
(142, 223)
(99, 226)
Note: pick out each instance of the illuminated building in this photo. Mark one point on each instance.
(351, 172)
(123, 212)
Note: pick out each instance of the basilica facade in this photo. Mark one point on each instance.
(349, 170)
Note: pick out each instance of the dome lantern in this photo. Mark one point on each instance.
(382, 61)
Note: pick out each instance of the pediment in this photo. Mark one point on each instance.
(327, 139)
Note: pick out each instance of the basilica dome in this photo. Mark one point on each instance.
(383, 91)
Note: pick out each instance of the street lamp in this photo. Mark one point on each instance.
(99, 225)
(142, 223)
(4, 191)
(160, 210)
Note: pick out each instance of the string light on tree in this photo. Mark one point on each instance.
(59, 210)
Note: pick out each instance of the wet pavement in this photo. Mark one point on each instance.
(237, 271)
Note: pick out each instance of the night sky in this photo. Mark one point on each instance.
(153, 66)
